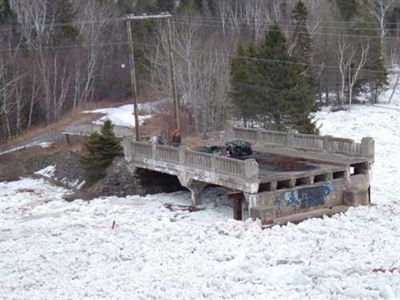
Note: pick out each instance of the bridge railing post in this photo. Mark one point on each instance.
(251, 170)
(127, 146)
(153, 151)
(181, 155)
(368, 146)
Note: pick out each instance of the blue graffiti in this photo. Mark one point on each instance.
(304, 198)
(314, 196)
(326, 189)
(291, 198)
(277, 205)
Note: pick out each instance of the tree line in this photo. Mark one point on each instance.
(265, 62)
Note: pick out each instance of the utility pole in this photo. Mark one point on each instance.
(174, 92)
(173, 82)
(133, 78)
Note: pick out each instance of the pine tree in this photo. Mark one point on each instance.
(241, 83)
(286, 95)
(66, 16)
(301, 37)
(272, 87)
(5, 12)
(348, 8)
(101, 149)
(375, 73)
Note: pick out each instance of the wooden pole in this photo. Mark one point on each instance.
(133, 78)
(173, 80)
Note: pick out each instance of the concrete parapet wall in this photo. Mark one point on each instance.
(310, 142)
(239, 174)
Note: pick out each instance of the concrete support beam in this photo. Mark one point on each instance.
(292, 182)
(196, 188)
(356, 197)
(237, 199)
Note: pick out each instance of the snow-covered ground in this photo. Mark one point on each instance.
(123, 115)
(52, 249)
(29, 145)
(119, 116)
(381, 123)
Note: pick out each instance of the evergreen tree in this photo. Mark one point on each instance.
(272, 87)
(101, 149)
(301, 38)
(65, 15)
(375, 73)
(241, 83)
(165, 5)
(5, 11)
(348, 8)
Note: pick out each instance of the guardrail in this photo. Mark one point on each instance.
(293, 140)
(190, 161)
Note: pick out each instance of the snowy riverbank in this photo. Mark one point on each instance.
(53, 249)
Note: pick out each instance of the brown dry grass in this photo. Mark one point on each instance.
(66, 120)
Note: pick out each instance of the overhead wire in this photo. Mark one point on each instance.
(244, 28)
(285, 22)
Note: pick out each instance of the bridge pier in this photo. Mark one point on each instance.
(194, 186)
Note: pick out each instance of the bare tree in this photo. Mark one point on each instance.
(350, 66)
(97, 17)
(202, 73)
(37, 23)
(380, 10)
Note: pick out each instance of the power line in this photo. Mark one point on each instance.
(292, 31)
(243, 19)
(217, 54)
(210, 20)
(284, 22)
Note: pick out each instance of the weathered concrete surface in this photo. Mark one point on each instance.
(190, 165)
(332, 177)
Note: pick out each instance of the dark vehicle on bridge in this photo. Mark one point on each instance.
(234, 149)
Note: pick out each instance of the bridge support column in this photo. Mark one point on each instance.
(196, 187)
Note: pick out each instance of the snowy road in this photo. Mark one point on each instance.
(51, 249)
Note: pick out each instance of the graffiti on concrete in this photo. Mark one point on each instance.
(314, 196)
(305, 198)
(291, 199)
(277, 205)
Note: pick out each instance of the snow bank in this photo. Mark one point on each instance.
(123, 115)
(382, 123)
(53, 249)
(119, 116)
(50, 172)
(29, 145)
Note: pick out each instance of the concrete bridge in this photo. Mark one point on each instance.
(290, 177)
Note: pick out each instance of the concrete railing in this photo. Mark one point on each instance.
(307, 141)
(181, 158)
(198, 160)
(165, 154)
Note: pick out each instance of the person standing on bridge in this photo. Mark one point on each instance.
(161, 137)
(176, 138)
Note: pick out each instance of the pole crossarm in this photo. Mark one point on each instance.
(146, 17)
